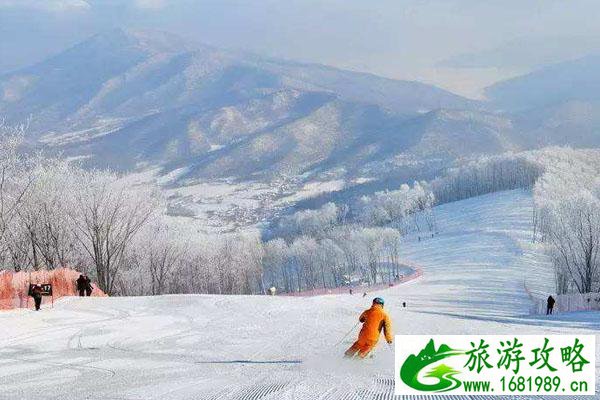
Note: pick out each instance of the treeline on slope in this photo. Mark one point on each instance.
(567, 218)
(348, 244)
(55, 214)
(487, 174)
(359, 242)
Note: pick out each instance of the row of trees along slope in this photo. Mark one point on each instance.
(55, 214)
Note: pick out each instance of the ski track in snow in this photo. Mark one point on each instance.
(182, 347)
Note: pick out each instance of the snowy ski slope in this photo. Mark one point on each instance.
(239, 347)
(482, 260)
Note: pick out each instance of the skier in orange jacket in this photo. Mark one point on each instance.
(374, 320)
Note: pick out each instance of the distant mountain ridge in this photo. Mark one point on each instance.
(129, 99)
(558, 83)
(138, 99)
(555, 105)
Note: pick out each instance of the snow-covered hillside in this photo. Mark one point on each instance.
(482, 262)
(240, 347)
(130, 99)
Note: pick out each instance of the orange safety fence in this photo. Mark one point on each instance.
(14, 286)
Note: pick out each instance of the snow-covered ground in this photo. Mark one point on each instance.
(227, 205)
(483, 260)
(240, 347)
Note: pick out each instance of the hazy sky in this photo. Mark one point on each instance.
(406, 39)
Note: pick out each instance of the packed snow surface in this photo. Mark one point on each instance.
(476, 271)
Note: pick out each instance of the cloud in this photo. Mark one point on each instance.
(47, 5)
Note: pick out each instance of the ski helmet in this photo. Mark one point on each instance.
(378, 300)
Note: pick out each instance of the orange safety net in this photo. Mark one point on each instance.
(15, 285)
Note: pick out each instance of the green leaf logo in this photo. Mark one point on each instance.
(414, 364)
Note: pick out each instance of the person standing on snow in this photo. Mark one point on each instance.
(88, 286)
(374, 320)
(550, 305)
(81, 285)
(36, 293)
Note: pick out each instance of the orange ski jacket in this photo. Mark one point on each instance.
(374, 320)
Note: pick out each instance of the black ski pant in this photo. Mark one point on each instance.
(38, 302)
(81, 292)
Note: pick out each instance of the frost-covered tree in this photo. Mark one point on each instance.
(331, 263)
(162, 257)
(105, 217)
(250, 257)
(276, 265)
(15, 175)
(488, 174)
(43, 216)
(315, 223)
(305, 252)
(350, 242)
(391, 249)
(406, 209)
(568, 205)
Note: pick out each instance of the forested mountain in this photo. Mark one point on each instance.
(127, 99)
(197, 115)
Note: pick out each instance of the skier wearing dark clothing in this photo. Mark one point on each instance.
(550, 305)
(88, 286)
(36, 293)
(81, 285)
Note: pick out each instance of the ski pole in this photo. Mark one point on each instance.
(346, 335)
